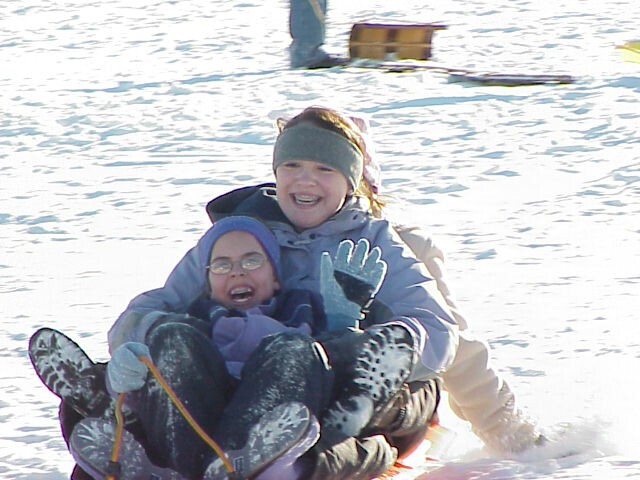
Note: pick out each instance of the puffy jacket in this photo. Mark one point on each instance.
(405, 290)
(238, 336)
(476, 391)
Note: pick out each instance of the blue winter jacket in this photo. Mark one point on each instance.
(403, 291)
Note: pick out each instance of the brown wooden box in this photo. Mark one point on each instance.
(379, 40)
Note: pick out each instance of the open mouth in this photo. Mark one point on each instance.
(305, 200)
(240, 295)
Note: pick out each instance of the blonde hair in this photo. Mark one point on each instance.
(341, 124)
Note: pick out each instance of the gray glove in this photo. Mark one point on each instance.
(359, 270)
(348, 283)
(125, 371)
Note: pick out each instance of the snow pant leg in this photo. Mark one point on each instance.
(371, 368)
(479, 395)
(196, 371)
(395, 430)
(284, 367)
(307, 28)
(68, 419)
(354, 459)
(342, 349)
(407, 417)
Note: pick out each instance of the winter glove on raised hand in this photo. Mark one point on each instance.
(125, 371)
(359, 270)
(341, 313)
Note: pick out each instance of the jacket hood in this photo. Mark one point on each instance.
(257, 201)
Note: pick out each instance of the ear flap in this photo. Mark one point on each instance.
(280, 123)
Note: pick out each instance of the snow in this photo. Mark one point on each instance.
(120, 120)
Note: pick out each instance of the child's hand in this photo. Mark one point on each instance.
(359, 270)
(340, 311)
(125, 371)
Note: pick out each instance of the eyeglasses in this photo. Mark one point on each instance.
(223, 265)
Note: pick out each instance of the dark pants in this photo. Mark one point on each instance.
(68, 419)
(401, 425)
(196, 372)
(307, 28)
(403, 420)
(284, 367)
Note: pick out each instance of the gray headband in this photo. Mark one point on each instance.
(305, 141)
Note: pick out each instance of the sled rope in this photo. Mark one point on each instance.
(114, 466)
(185, 413)
(178, 404)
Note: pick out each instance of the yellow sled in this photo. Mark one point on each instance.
(630, 51)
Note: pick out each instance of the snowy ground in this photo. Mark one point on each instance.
(120, 119)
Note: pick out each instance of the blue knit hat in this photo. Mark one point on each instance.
(250, 225)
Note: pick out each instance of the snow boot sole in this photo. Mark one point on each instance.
(285, 433)
(65, 369)
(91, 445)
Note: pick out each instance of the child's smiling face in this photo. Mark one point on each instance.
(309, 192)
(251, 279)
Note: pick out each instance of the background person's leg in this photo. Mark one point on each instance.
(307, 31)
(307, 25)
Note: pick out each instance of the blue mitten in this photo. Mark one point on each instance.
(125, 370)
(359, 270)
(340, 311)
